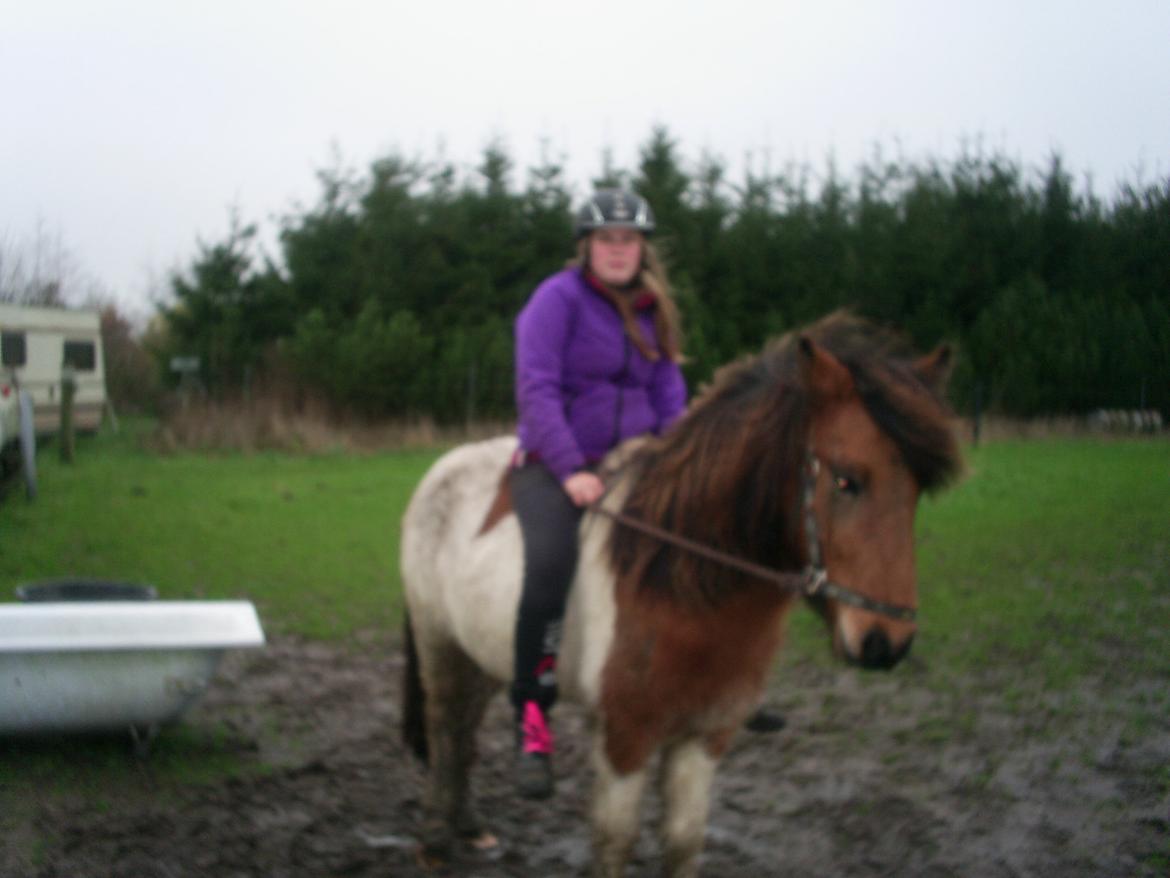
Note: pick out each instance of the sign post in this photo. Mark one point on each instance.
(187, 368)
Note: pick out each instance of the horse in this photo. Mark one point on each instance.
(810, 455)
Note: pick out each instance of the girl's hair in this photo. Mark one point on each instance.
(653, 280)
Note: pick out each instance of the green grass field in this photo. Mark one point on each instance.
(1051, 560)
(1051, 553)
(312, 540)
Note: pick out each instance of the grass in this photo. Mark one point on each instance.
(1051, 554)
(1050, 560)
(312, 540)
(182, 755)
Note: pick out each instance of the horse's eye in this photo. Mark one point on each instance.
(846, 485)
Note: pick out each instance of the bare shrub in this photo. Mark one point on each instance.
(132, 379)
(999, 428)
(308, 425)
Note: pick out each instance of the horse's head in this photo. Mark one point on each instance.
(880, 436)
(728, 477)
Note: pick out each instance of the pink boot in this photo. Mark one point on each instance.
(534, 778)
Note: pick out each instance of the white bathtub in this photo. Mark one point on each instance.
(81, 666)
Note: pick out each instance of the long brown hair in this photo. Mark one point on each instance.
(652, 278)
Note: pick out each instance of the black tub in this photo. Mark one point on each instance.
(59, 590)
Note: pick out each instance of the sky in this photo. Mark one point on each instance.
(132, 131)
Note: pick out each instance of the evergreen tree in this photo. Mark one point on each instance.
(399, 288)
(225, 311)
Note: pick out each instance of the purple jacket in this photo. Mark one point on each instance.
(581, 385)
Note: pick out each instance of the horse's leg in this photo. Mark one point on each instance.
(687, 772)
(457, 692)
(613, 813)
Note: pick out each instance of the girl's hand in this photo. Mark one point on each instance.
(583, 488)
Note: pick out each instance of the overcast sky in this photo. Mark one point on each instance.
(128, 130)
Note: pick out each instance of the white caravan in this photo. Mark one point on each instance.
(36, 344)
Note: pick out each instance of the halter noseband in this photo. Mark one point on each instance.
(815, 576)
(812, 582)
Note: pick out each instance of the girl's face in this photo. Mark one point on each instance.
(615, 255)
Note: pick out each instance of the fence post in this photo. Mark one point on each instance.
(28, 444)
(977, 415)
(469, 411)
(68, 392)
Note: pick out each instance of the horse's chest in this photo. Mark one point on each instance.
(684, 673)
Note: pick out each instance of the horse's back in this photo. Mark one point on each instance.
(460, 583)
(457, 487)
(463, 583)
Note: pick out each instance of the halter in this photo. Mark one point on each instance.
(811, 582)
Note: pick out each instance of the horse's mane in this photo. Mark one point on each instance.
(728, 473)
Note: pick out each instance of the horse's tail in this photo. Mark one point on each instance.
(414, 728)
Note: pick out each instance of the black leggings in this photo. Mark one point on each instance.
(548, 521)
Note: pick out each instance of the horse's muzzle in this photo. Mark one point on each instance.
(877, 653)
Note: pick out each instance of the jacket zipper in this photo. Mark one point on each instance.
(617, 415)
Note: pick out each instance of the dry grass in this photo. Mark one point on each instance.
(281, 422)
(268, 424)
(1066, 427)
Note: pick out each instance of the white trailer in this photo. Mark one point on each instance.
(36, 345)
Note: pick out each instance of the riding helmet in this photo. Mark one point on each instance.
(615, 209)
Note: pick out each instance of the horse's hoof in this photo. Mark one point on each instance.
(429, 860)
(485, 845)
(438, 856)
(436, 847)
(764, 721)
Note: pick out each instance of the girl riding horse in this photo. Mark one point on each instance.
(801, 465)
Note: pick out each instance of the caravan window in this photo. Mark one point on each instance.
(12, 352)
(81, 355)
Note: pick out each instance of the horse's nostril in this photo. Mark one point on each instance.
(875, 650)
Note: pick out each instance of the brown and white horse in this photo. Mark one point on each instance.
(667, 648)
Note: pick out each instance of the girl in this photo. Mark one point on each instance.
(597, 362)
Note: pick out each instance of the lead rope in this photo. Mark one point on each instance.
(813, 581)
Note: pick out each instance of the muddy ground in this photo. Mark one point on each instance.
(896, 774)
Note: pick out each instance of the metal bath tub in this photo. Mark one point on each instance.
(82, 666)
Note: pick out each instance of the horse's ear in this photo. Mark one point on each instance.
(934, 369)
(825, 376)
